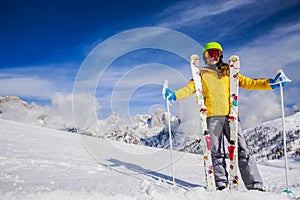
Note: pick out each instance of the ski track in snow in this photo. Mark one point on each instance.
(41, 163)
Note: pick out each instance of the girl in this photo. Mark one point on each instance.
(215, 83)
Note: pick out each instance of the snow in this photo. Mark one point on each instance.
(41, 163)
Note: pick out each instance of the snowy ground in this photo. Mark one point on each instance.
(40, 163)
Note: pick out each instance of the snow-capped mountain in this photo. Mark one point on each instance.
(265, 140)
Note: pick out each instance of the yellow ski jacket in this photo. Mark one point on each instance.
(216, 90)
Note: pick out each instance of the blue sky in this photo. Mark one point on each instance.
(44, 44)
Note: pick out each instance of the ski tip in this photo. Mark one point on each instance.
(195, 57)
(234, 58)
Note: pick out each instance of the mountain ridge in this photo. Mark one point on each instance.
(264, 140)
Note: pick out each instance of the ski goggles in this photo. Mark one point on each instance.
(212, 53)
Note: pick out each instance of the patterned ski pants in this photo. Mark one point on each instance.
(218, 127)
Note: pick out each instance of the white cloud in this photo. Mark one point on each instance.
(262, 57)
(258, 106)
(278, 49)
(189, 12)
(75, 110)
(40, 82)
(26, 87)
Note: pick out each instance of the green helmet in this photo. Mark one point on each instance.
(212, 45)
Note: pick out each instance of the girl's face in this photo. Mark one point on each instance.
(212, 56)
(212, 60)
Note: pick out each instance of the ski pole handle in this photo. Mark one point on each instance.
(281, 77)
(166, 84)
(164, 89)
(278, 75)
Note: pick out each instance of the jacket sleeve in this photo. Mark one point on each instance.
(254, 84)
(186, 91)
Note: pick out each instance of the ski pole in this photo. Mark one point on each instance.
(169, 127)
(280, 79)
(284, 140)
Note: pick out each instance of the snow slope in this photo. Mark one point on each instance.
(41, 163)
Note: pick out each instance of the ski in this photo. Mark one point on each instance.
(205, 137)
(234, 66)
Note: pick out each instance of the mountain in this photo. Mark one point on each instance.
(265, 140)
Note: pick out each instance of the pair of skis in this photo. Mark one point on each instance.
(233, 117)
